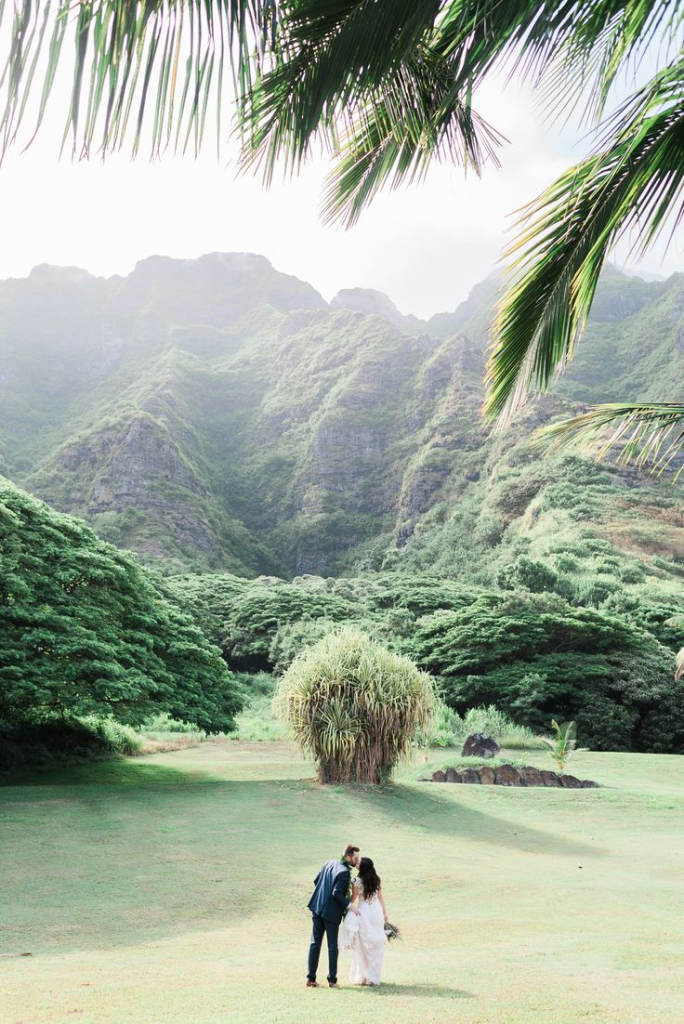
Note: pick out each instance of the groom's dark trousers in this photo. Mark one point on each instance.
(320, 928)
(327, 905)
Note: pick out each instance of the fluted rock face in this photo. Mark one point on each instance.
(215, 413)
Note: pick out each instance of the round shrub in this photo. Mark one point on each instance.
(354, 706)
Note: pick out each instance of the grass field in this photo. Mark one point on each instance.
(172, 889)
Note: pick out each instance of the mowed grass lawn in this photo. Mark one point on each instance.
(173, 889)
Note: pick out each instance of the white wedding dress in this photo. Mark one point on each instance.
(364, 935)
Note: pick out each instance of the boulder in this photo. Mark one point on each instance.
(549, 778)
(507, 775)
(470, 775)
(439, 777)
(588, 784)
(487, 775)
(570, 782)
(479, 745)
(452, 775)
(530, 776)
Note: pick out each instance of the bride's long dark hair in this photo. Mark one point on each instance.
(370, 879)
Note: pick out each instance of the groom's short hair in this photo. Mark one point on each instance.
(350, 850)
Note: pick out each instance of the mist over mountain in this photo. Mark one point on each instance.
(215, 414)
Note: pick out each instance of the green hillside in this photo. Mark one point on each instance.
(218, 415)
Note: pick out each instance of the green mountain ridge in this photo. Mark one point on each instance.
(215, 414)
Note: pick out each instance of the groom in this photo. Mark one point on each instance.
(328, 906)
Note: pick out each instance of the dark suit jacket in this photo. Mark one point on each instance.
(330, 899)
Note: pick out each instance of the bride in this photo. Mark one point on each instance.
(363, 930)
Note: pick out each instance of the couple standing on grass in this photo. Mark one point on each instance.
(356, 905)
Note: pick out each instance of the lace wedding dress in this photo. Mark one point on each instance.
(364, 935)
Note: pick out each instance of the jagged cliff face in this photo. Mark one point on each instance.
(217, 414)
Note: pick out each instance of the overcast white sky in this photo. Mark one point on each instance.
(425, 246)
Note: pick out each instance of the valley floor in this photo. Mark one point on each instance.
(172, 890)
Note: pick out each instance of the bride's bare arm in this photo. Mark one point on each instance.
(382, 903)
(355, 896)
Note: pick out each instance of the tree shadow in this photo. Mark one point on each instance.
(114, 771)
(437, 812)
(137, 850)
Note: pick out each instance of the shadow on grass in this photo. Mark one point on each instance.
(415, 807)
(433, 813)
(422, 991)
(115, 771)
(76, 837)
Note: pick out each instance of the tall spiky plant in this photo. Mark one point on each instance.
(354, 706)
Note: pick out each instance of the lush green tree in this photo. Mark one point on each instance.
(85, 629)
(390, 87)
(207, 597)
(291, 639)
(498, 629)
(256, 616)
(535, 657)
(354, 706)
(528, 574)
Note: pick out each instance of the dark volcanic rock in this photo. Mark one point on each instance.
(479, 745)
(530, 776)
(507, 775)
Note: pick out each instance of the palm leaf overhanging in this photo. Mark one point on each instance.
(650, 433)
(151, 68)
(635, 183)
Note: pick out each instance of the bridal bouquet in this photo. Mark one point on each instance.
(391, 931)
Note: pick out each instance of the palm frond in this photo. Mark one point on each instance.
(652, 434)
(395, 140)
(149, 67)
(155, 69)
(566, 234)
(337, 62)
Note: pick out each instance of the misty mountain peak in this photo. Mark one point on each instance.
(48, 273)
(371, 302)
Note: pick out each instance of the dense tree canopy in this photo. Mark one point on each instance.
(536, 657)
(84, 629)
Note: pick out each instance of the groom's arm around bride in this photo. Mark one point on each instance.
(330, 900)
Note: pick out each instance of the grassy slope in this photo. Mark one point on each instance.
(172, 889)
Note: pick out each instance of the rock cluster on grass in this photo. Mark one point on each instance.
(480, 745)
(508, 775)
